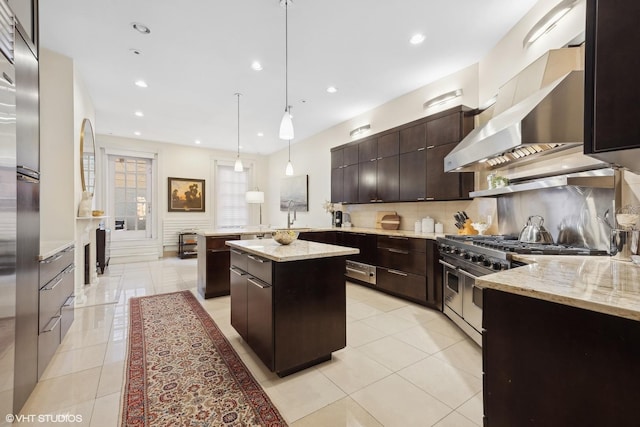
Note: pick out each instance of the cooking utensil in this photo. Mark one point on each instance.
(534, 232)
(464, 214)
(604, 219)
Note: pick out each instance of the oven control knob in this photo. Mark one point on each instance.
(474, 258)
(486, 262)
(467, 255)
(456, 251)
(497, 265)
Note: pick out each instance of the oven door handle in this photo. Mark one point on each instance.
(468, 274)
(446, 264)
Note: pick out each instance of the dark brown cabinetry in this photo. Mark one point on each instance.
(405, 163)
(213, 265)
(289, 323)
(611, 90)
(103, 248)
(548, 364)
(344, 174)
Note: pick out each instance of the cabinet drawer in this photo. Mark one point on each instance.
(402, 243)
(48, 341)
(260, 267)
(399, 259)
(217, 243)
(53, 295)
(68, 313)
(402, 283)
(52, 266)
(260, 320)
(239, 259)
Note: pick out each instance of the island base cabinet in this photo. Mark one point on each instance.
(213, 265)
(238, 288)
(260, 320)
(548, 364)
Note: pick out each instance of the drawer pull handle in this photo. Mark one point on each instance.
(54, 259)
(430, 198)
(446, 264)
(55, 320)
(52, 287)
(69, 302)
(69, 269)
(353, 270)
(396, 272)
(398, 251)
(70, 249)
(398, 237)
(237, 252)
(429, 147)
(256, 259)
(237, 272)
(422, 148)
(260, 285)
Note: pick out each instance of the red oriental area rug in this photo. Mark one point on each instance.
(182, 371)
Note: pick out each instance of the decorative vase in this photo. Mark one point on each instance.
(84, 209)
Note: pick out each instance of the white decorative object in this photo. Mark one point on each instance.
(84, 210)
(428, 224)
(417, 226)
(439, 228)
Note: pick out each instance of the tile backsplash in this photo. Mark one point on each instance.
(630, 189)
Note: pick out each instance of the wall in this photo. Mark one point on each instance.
(178, 161)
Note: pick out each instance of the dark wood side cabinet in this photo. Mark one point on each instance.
(611, 83)
(289, 323)
(548, 364)
(213, 265)
(103, 248)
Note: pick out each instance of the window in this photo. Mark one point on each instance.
(232, 209)
(131, 196)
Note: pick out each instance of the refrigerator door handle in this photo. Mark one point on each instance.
(24, 173)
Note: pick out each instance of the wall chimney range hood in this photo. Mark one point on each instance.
(540, 111)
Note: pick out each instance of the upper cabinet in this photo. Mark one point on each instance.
(611, 89)
(344, 174)
(405, 163)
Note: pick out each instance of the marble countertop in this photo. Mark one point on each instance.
(265, 230)
(49, 248)
(596, 283)
(297, 250)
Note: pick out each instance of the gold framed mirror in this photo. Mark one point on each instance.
(87, 157)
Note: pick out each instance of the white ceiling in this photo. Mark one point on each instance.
(199, 54)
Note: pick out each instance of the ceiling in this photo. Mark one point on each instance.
(199, 53)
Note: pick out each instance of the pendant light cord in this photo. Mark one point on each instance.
(286, 55)
(238, 95)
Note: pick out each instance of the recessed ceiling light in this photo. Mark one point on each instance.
(332, 89)
(260, 134)
(136, 133)
(257, 66)
(417, 38)
(197, 141)
(141, 28)
(141, 83)
(139, 113)
(135, 51)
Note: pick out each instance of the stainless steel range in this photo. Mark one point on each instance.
(465, 258)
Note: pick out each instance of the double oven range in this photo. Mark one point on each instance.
(466, 258)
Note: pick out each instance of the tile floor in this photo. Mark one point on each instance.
(404, 365)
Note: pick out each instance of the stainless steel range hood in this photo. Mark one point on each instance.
(540, 111)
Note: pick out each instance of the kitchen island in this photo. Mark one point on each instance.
(561, 342)
(288, 302)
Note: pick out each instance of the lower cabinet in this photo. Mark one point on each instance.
(55, 304)
(213, 265)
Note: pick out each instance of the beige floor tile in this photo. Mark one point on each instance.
(384, 303)
(62, 392)
(472, 409)
(450, 385)
(394, 401)
(454, 419)
(392, 353)
(352, 370)
(416, 314)
(465, 355)
(425, 340)
(359, 333)
(445, 326)
(78, 338)
(96, 317)
(67, 362)
(343, 413)
(106, 411)
(74, 415)
(388, 323)
(116, 352)
(258, 369)
(111, 379)
(301, 394)
(361, 310)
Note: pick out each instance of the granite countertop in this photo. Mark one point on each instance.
(48, 248)
(297, 250)
(267, 231)
(596, 283)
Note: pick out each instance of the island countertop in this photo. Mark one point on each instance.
(596, 283)
(297, 250)
(257, 231)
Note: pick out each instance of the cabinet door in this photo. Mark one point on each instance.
(442, 185)
(368, 150)
(388, 179)
(350, 155)
(350, 184)
(444, 130)
(238, 285)
(260, 320)
(413, 176)
(413, 138)
(367, 182)
(337, 158)
(337, 185)
(389, 145)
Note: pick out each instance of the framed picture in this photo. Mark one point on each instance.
(295, 191)
(186, 195)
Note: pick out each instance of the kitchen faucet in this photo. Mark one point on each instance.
(289, 222)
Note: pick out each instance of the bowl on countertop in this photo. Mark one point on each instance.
(284, 237)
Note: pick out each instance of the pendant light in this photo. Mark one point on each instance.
(286, 125)
(238, 165)
(289, 170)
